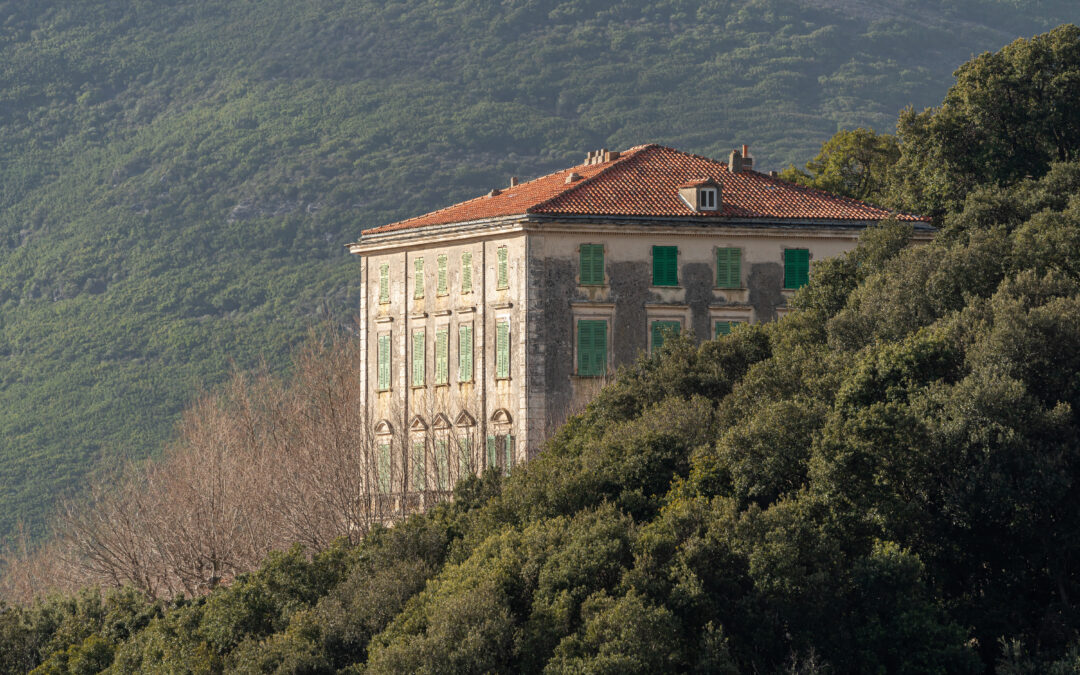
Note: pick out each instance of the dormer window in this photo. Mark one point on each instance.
(707, 199)
(701, 194)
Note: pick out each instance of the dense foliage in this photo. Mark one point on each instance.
(177, 178)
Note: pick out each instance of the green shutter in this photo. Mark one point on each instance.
(419, 467)
(464, 457)
(384, 468)
(442, 464)
(418, 293)
(508, 447)
(729, 268)
(442, 355)
(660, 329)
(796, 267)
(665, 265)
(592, 347)
(492, 453)
(724, 328)
(384, 362)
(465, 353)
(466, 272)
(503, 280)
(440, 265)
(384, 283)
(591, 261)
(502, 349)
(418, 340)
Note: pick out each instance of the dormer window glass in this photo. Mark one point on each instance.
(707, 199)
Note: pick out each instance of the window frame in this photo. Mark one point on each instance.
(384, 283)
(579, 356)
(418, 278)
(734, 275)
(791, 273)
(442, 356)
(656, 266)
(442, 283)
(466, 273)
(382, 362)
(593, 279)
(419, 358)
(712, 206)
(502, 362)
(502, 271)
(669, 321)
(466, 353)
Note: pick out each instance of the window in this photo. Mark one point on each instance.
(466, 272)
(492, 452)
(729, 268)
(724, 328)
(384, 362)
(592, 264)
(707, 199)
(384, 467)
(418, 293)
(419, 467)
(442, 464)
(660, 330)
(465, 353)
(502, 349)
(508, 448)
(503, 279)
(464, 457)
(440, 266)
(665, 266)
(419, 340)
(592, 347)
(384, 284)
(796, 267)
(442, 355)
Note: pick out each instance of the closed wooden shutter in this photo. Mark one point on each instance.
(418, 357)
(464, 457)
(442, 355)
(660, 329)
(440, 266)
(442, 464)
(384, 468)
(508, 448)
(466, 272)
(724, 327)
(502, 349)
(465, 353)
(384, 362)
(665, 265)
(592, 347)
(384, 283)
(419, 467)
(418, 292)
(503, 276)
(591, 262)
(492, 453)
(729, 268)
(796, 267)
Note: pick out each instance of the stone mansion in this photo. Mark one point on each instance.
(485, 322)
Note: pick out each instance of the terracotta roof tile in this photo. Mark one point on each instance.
(644, 181)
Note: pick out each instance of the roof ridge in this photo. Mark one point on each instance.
(624, 156)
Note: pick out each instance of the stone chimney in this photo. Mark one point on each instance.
(740, 161)
(513, 181)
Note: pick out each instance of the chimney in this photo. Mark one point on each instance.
(572, 176)
(747, 160)
(513, 181)
(735, 162)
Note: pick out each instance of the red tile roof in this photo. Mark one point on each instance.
(644, 181)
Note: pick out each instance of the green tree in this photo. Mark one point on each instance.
(852, 163)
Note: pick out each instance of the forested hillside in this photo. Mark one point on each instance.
(177, 178)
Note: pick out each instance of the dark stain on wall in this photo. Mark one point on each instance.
(558, 287)
(765, 283)
(630, 291)
(697, 279)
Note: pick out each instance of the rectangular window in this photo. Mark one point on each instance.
(442, 464)
(729, 268)
(466, 272)
(384, 284)
(502, 349)
(503, 277)
(442, 355)
(384, 362)
(384, 468)
(419, 340)
(492, 453)
(465, 353)
(796, 267)
(592, 347)
(440, 266)
(665, 265)
(418, 292)
(464, 457)
(660, 330)
(591, 259)
(508, 448)
(724, 327)
(419, 467)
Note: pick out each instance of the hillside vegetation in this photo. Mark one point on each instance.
(177, 178)
(883, 482)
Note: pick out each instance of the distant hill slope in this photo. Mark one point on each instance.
(177, 178)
